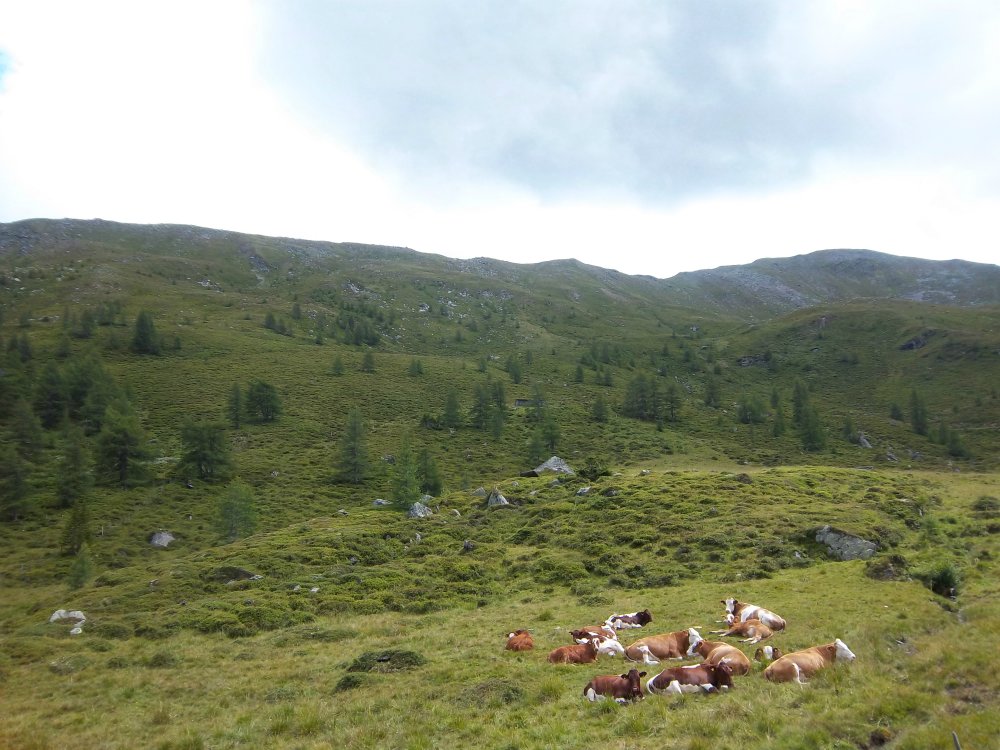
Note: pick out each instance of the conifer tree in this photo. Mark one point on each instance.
(405, 479)
(811, 430)
(353, 464)
(262, 402)
(600, 410)
(918, 413)
(337, 368)
(26, 431)
(73, 478)
(206, 453)
(452, 416)
(121, 446)
(427, 469)
(234, 407)
(76, 532)
(145, 339)
(50, 397)
(237, 515)
(81, 570)
(14, 488)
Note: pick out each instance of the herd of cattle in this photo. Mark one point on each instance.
(719, 661)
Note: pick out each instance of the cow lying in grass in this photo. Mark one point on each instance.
(752, 631)
(607, 645)
(622, 688)
(580, 653)
(633, 620)
(716, 652)
(676, 645)
(737, 611)
(520, 640)
(795, 666)
(697, 678)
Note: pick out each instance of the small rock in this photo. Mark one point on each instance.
(454, 512)
(645, 473)
(161, 539)
(845, 546)
(352, 560)
(480, 492)
(419, 510)
(342, 512)
(555, 464)
(296, 587)
(468, 545)
(380, 501)
(314, 590)
(496, 498)
(583, 491)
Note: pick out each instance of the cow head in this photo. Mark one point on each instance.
(634, 686)
(644, 617)
(767, 652)
(694, 638)
(722, 675)
(730, 606)
(843, 653)
(516, 632)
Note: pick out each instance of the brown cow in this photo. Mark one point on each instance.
(607, 645)
(520, 640)
(575, 654)
(676, 645)
(694, 678)
(753, 631)
(622, 688)
(805, 663)
(717, 652)
(737, 611)
(633, 620)
(767, 653)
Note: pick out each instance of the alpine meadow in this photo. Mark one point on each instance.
(265, 492)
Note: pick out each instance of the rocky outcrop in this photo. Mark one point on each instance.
(845, 546)
(496, 499)
(419, 510)
(161, 539)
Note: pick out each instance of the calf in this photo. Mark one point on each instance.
(676, 645)
(607, 645)
(737, 611)
(753, 631)
(622, 688)
(695, 678)
(717, 652)
(633, 620)
(805, 663)
(767, 653)
(520, 640)
(575, 654)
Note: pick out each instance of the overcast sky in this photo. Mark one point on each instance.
(649, 136)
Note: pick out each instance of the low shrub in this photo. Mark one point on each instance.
(386, 661)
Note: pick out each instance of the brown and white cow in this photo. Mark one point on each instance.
(676, 645)
(604, 631)
(622, 688)
(695, 678)
(753, 631)
(767, 653)
(632, 620)
(520, 640)
(607, 645)
(798, 664)
(737, 611)
(717, 652)
(579, 653)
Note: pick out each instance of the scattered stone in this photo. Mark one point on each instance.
(314, 590)
(610, 492)
(496, 499)
(426, 499)
(888, 568)
(845, 546)
(863, 441)
(342, 512)
(454, 512)
(419, 510)
(890, 455)
(417, 538)
(74, 616)
(380, 501)
(645, 473)
(296, 587)
(352, 560)
(468, 545)
(480, 492)
(555, 483)
(161, 539)
(744, 478)
(583, 491)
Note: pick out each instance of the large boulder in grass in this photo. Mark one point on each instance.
(419, 510)
(845, 546)
(556, 465)
(496, 499)
(161, 539)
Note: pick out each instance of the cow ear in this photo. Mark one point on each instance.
(624, 676)
(642, 674)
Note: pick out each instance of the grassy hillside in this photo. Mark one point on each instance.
(688, 492)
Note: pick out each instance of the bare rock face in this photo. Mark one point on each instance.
(845, 546)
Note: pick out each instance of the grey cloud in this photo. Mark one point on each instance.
(657, 99)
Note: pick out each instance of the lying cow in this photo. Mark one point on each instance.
(603, 631)
(708, 678)
(633, 620)
(520, 640)
(753, 631)
(579, 653)
(767, 653)
(622, 688)
(676, 645)
(737, 611)
(805, 663)
(717, 652)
